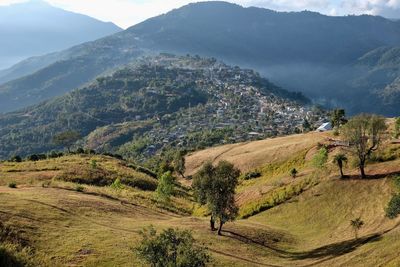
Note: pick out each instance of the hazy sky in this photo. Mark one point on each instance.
(126, 13)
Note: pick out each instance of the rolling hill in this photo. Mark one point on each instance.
(36, 28)
(94, 225)
(260, 39)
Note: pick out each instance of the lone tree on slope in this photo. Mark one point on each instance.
(339, 159)
(338, 118)
(215, 186)
(356, 224)
(364, 133)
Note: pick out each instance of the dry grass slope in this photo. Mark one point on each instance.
(308, 227)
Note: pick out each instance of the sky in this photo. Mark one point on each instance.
(126, 13)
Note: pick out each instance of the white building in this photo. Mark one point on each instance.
(327, 126)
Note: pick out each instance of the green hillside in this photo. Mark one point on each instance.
(158, 103)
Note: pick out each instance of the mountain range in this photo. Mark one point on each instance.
(301, 51)
(36, 28)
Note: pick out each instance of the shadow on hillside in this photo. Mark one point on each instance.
(320, 254)
(371, 177)
(6, 259)
(254, 241)
(336, 249)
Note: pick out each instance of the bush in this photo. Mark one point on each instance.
(171, 247)
(79, 188)
(12, 185)
(252, 175)
(320, 159)
(165, 186)
(93, 164)
(33, 157)
(54, 155)
(117, 184)
(393, 208)
(16, 159)
(293, 173)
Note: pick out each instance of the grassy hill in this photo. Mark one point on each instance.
(307, 223)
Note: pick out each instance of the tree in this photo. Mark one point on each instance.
(66, 139)
(320, 158)
(215, 186)
(338, 118)
(178, 163)
(293, 173)
(165, 186)
(393, 208)
(356, 224)
(306, 126)
(339, 159)
(172, 248)
(16, 158)
(364, 133)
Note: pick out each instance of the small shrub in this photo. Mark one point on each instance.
(53, 155)
(79, 188)
(356, 224)
(393, 208)
(293, 173)
(46, 184)
(336, 132)
(252, 175)
(117, 185)
(16, 159)
(33, 157)
(12, 185)
(93, 164)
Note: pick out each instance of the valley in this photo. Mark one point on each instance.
(209, 134)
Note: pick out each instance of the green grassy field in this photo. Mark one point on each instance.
(55, 224)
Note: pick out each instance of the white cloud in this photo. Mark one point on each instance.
(388, 8)
(126, 13)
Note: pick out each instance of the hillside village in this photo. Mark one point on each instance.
(241, 106)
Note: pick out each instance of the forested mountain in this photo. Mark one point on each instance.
(298, 50)
(35, 28)
(158, 102)
(370, 84)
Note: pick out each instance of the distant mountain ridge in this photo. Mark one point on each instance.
(36, 28)
(300, 51)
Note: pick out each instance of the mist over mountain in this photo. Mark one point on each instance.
(300, 51)
(36, 28)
